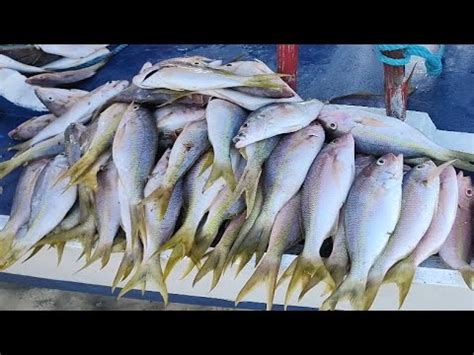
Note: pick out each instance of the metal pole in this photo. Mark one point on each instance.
(287, 62)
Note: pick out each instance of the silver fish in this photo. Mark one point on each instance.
(277, 119)
(403, 272)
(371, 214)
(420, 194)
(379, 134)
(324, 192)
(293, 157)
(456, 251)
(30, 128)
(64, 77)
(57, 100)
(7, 62)
(223, 121)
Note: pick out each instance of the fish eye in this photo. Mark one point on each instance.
(421, 166)
(228, 65)
(469, 192)
(196, 63)
(333, 125)
(50, 98)
(135, 107)
(381, 161)
(245, 125)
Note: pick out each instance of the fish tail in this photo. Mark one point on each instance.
(266, 271)
(215, 260)
(265, 81)
(464, 160)
(103, 251)
(76, 171)
(373, 286)
(163, 195)
(124, 269)
(21, 148)
(7, 167)
(138, 227)
(33, 253)
(402, 274)
(221, 170)
(351, 288)
(207, 161)
(467, 273)
(88, 179)
(263, 242)
(337, 272)
(247, 248)
(177, 254)
(60, 251)
(287, 273)
(6, 242)
(248, 183)
(195, 255)
(184, 238)
(150, 268)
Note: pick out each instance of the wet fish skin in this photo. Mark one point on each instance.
(158, 231)
(182, 77)
(324, 192)
(285, 232)
(456, 251)
(256, 154)
(49, 147)
(50, 205)
(197, 204)
(171, 120)
(71, 50)
(99, 141)
(403, 272)
(371, 214)
(14, 88)
(7, 62)
(277, 119)
(64, 77)
(420, 192)
(249, 102)
(21, 206)
(58, 100)
(80, 112)
(223, 121)
(134, 150)
(188, 148)
(107, 206)
(255, 67)
(30, 128)
(293, 157)
(379, 134)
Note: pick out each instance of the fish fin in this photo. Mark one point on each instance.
(464, 161)
(33, 253)
(21, 148)
(437, 171)
(337, 272)
(208, 160)
(248, 247)
(7, 167)
(189, 268)
(266, 271)
(102, 251)
(287, 273)
(138, 227)
(60, 251)
(402, 274)
(163, 195)
(177, 254)
(221, 170)
(351, 288)
(211, 263)
(263, 243)
(76, 171)
(467, 273)
(265, 81)
(89, 178)
(11, 257)
(124, 269)
(249, 184)
(6, 242)
(184, 237)
(372, 288)
(305, 270)
(150, 268)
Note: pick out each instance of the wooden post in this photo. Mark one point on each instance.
(396, 88)
(287, 62)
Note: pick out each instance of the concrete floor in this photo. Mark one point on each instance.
(20, 297)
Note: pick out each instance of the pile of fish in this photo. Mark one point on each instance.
(222, 162)
(47, 65)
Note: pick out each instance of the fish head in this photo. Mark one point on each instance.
(314, 131)
(344, 141)
(38, 79)
(336, 121)
(422, 172)
(251, 127)
(466, 191)
(388, 168)
(145, 77)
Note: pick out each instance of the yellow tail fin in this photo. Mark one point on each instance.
(467, 273)
(402, 274)
(352, 289)
(218, 170)
(266, 271)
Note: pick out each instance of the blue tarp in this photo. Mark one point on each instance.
(325, 71)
